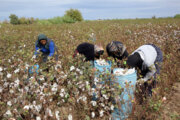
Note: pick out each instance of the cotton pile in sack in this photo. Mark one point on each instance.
(121, 71)
(102, 62)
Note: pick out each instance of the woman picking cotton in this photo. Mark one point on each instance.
(90, 51)
(118, 51)
(147, 58)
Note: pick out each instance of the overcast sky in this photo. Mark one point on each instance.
(90, 9)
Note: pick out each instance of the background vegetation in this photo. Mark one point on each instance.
(71, 16)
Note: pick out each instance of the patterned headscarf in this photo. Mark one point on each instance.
(117, 48)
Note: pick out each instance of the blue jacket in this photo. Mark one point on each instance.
(49, 48)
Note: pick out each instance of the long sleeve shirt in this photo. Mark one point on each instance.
(148, 54)
(50, 49)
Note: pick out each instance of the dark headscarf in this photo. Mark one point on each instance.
(134, 60)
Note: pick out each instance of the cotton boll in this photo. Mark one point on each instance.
(16, 71)
(57, 115)
(64, 76)
(94, 103)
(11, 91)
(49, 112)
(9, 75)
(96, 79)
(84, 98)
(105, 96)
(38, 108)
(27, 66)
(164, 99)
(78, 70)
(26, 88)
(26, 107)
(38, 118)
(16, 83)
(83, 89)
(15, 100)
(101, 113)
(9, 60)
(34, 102)
(6, 84)
(41, 79)
(8, 113)
(112, 107)
(1, 69)
(58, 66)
(81, 72)
(78, 99)
(63, 100)
(106, 108)
(87, 83)
(102, 104)
(93, 89)
(5, 68)
(70, 117)
(92, 114)
(9, 103)
(54, 87)
(61, 94)
(72, 68)
(102, 62)
(121, 71)
(62, 90)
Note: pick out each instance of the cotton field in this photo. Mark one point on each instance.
(66, 91)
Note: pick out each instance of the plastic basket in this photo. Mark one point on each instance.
(34, 68)
(102, 69)
(127, 95)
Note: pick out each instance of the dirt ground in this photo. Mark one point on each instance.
(171, 107)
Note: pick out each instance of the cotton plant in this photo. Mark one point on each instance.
(82, 85)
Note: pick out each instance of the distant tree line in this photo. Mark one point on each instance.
(177, 16)
(71, 16)
(15, 20)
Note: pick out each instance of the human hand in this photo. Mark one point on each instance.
(94, 69)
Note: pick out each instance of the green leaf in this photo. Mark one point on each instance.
(88, 87)
(87, 117)
(119, 87)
